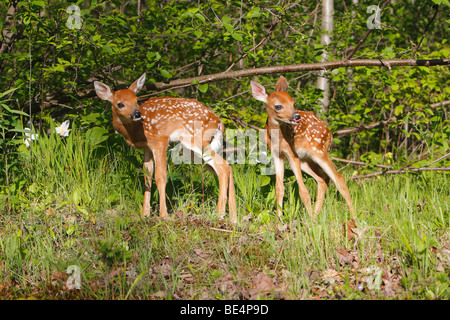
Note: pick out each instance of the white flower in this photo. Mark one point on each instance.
(31, 136)
(63, 129)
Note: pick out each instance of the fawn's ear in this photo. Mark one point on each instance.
(103, 91)
(138, 84)
(258, 91)
(282, 84)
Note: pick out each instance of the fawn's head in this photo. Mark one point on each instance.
(280, 105)
(124, 102)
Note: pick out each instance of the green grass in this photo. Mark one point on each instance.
(73, 204)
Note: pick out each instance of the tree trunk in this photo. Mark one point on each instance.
(327, 29)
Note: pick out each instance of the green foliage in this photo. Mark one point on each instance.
(115, 42)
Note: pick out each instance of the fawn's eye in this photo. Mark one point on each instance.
(120, 105)
(278, 107)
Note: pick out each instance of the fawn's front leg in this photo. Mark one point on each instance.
(159, 155)
(295, 164)
(148, 173)
(279, 183)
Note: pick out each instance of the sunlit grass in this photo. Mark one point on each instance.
(79, 205)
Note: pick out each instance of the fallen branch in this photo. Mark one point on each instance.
(437, 160)
(408, 170)
(359, 163)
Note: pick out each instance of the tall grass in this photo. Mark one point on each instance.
(79, 204)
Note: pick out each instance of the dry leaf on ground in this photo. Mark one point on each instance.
(348, 229)
(201, 253)
(262, 283)
(330, 276)
(164, 267)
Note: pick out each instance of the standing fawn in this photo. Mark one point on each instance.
(155, 123)
(302, 139)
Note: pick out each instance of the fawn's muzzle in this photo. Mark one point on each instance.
(295, 118)
(136, 115)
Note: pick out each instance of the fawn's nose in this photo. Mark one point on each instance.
(295, 117)
(136, 115)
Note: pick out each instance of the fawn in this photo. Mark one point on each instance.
(153, 124)
(302, 139)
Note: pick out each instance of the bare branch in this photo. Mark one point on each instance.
(440, 104)
(364, 127)
(408, 170)
(296, 68)
(378, 124)
(437, 160)
(359, 163)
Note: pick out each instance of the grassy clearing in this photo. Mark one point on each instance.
(78, 205)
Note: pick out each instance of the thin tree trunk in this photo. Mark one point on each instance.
(325, 39)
